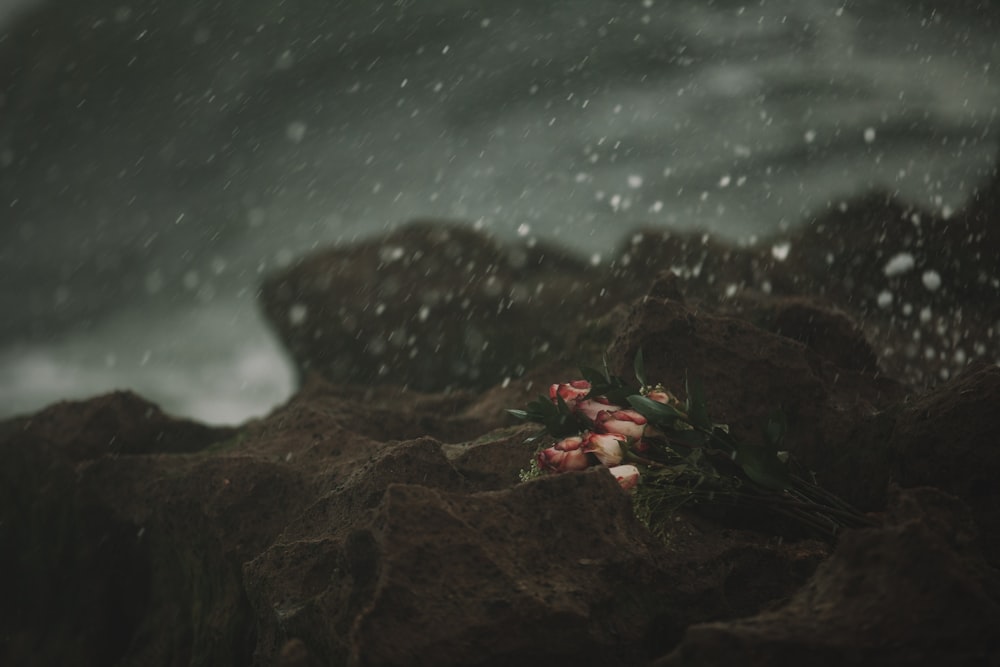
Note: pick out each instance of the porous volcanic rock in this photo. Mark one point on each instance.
(377, 518)
(748, 374)
(314, 537)
(916, 591)
(432, 306)
(818, 324)
(74, 578)
(924, 288)
(950, 438)
(919, 293)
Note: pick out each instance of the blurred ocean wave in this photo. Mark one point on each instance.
(157, 158)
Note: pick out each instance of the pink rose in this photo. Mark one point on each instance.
(571, 392)
(663, 396)
(607, 447)
(627, 476)
(566, 455)
(592, 406)
(623, 422)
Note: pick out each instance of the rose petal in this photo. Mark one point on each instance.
(623, 422)
(627, 476)
(607, 447)
(570, 392)
(592, 406)
(556, 460)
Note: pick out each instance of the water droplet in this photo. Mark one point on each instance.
(296, 131)
(297, 314)
(780, 251)
(931, 280)
(899, 264)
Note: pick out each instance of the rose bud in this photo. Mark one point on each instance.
(627, 476)
(623, 422)
(661, 395)
(607, 447)
(592, 406)
(566, 455)
(571, 392)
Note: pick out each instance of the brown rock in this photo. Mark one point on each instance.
(560, 564)
(983, 207)
(305, 537)
(119, 423)
(924, 323)
(294, 653)
(748, 373)
(76, 576)
(823, 328)
(914, 592)
(367, 523)
(433, 306)
(951, 438)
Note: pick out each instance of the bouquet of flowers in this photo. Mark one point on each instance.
(668, 453)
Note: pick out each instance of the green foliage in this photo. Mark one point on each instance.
(558, 420)
(762, 465)
(640, 368)
(603, 383)
(686, 458)
(595, 377)
(660, 414)
(696, 408)
(531, 472)
(775, 429)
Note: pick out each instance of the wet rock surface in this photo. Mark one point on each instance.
(826, 405)
(378, 518)
(434, 306)
(923, 289)
(916, 591)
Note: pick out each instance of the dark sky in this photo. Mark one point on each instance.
(157, 158)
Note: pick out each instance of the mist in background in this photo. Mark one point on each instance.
(158, 158)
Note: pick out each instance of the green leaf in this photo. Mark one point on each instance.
(690, 438)
(618, 395)
(658, 413)
(593, 376)
(722, 440)
(775, 429)
(562, 426)
(520, 414)
(540, 434)
(696, 409)
(640, 369)
(762, 466)
(542, 406)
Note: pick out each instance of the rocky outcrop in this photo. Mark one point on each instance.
(923, 289)
(916, 591)
(918, 292)
(748, 374)
(303, 538)
(378, 518)
(435, 306)
(950, 438)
